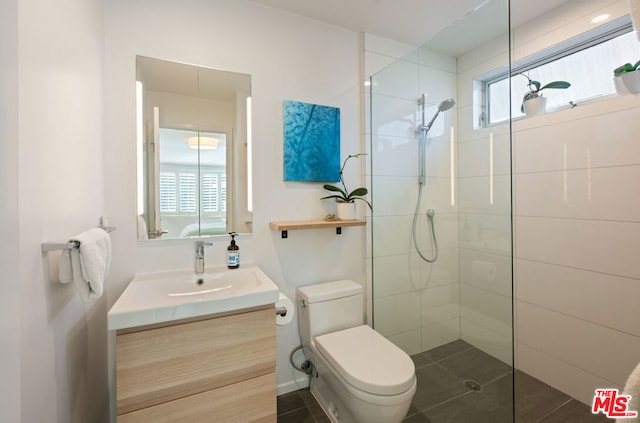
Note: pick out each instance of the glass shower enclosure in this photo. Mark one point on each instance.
(441, 249)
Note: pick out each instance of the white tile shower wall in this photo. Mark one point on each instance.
(567, 21)
(415, 304)
(570, 193)
(577, 232)
(576, 224)
(554, 287)
(589, 343)
(567, 378)
(484, 157)
(485, 223)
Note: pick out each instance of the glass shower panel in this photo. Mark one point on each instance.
(441, 249)
(400, 276)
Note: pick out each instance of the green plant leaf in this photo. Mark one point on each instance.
(343, 196)
(331, 188)
(335, 189)
(627, 67)
(536, 84)
(637, 65)
(358, 192)
(620, 70)
(556, 84)
(337, 197)
(368, 203)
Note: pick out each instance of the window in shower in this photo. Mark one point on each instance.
(587, 62)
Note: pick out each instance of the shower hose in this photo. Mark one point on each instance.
(430, 215)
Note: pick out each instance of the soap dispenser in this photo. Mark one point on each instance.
(233, 253)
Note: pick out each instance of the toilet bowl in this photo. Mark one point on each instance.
(359, 376)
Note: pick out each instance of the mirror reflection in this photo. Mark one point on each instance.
(193, 139)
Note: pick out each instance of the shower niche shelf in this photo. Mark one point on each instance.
(286, 226)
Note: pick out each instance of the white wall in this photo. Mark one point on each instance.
(10, 292)
(54, 161)
(288, 58)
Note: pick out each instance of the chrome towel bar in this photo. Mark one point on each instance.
(55, 246)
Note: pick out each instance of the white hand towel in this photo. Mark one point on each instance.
(142, 228)
(81, 285)
(94, 258)
(64, 266)
(632, 387)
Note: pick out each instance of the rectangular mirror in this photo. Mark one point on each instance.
(193, 141)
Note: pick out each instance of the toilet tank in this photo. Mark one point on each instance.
(329, 307)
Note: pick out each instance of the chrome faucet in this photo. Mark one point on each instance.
(199, 264)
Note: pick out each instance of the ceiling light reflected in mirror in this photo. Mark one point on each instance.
(203, 143)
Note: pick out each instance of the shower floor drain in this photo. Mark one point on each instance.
(472, 385)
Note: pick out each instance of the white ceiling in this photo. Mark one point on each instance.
(412, 21)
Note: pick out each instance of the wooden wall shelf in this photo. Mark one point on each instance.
(292, 225)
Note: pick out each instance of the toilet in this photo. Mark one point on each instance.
(358, 375)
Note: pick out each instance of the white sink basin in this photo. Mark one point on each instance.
(166, 296)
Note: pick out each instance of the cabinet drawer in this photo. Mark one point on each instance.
(252, 400)
(162, 364)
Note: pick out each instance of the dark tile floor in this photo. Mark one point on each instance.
(300, 407)
(443, 397)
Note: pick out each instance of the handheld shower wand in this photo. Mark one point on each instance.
(421, 131)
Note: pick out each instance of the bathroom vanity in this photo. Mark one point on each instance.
(210, 355)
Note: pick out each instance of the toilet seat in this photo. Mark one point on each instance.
(367, 360)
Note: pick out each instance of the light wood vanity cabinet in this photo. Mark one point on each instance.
(220, 368)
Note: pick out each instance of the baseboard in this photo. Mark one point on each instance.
(301, 382)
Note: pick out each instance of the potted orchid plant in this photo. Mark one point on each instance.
(344, 197)
(627, 76)
(533, 103)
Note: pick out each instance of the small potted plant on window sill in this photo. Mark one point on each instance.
(533, 103)
(627, 78)
(345, 199)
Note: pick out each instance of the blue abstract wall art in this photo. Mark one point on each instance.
(311, 142)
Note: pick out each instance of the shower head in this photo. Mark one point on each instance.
(446, 105)
(442, 107)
